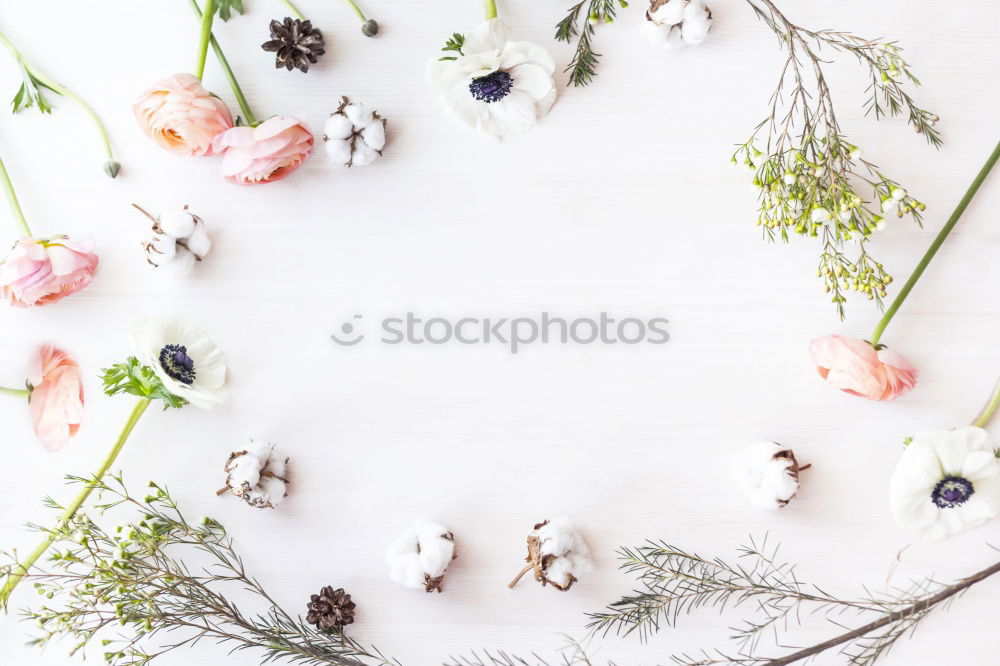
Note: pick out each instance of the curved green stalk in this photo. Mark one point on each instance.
(24, 566)
(112, 166)
(294, 10)
(357, 10)
(15, 207)
(233, 83)
(936, 245)
(984, 416)
(206, 34)
(491, 9)
(17, 393)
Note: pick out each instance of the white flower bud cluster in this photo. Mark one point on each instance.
(180, 239)
(674, 23)
(769, 475)
(257, 475)
(354, 135)
(419, 557)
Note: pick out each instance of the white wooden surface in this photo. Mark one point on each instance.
(621, 200)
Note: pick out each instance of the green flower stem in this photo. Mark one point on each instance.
(936, 245)
(233, 83)
(293, 9)
(989, 408)
(491, 9)
(206, 33)
(357, 10)
(17, 393)
(25, 566)
(60, 89)
(15, 207)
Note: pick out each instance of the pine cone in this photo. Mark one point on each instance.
(295, 43)
(331, 609)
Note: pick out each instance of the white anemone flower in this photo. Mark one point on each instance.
(184, 358)
(496, 86)
(946, 482)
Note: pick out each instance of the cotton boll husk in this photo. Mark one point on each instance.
(161, 249)
(374, 134)
(178, 224)
(671, 12)
(363, 154)
(359, 114)
(199, 241)
(694, 31)
(339, 150)
(337, 126)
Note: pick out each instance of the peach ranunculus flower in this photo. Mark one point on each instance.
(56, 400)
(262, 154)
(181, 116)
(39, 271)
(857, 367)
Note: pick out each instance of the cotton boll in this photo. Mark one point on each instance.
(669, 13)
(696, 11)
(339, 150)
(257, 475)
(557, 554)
(769, 475)
(359, 114)
(178, 224)
(656, 34)
(362, 154)
(182, 263)
(420, 556)
(160, 250)
(694, 31)
(675, 40)
(374, 135)
(199, 241)
(337, 126)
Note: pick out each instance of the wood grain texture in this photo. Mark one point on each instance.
(623, 200)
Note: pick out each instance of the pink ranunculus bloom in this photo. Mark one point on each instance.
(39, 271)
(265, 153)
(857, 367)
(181, 116)
(56, 400)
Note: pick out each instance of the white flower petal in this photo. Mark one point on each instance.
(532, 79)
(489, 35)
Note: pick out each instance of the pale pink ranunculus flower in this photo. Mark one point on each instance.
(39, 271)
(262, 154)
(857, 367)
(181, 116)
(56, 400)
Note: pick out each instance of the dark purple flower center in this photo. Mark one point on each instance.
(951, 491)
(177, 364)
(491, 88)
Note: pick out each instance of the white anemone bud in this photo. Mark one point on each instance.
(257, 475)
(769, 475)
(557, 554)
(180, 238)
(419, 557)
(354, 135)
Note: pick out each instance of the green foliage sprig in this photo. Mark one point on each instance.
(583, 67)
(227, 7)
(673, 582)
(455, 44)
(136, 579)
(140, 380)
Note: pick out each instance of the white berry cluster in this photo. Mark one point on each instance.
(354, 135)
(180, 239)
(674, 23)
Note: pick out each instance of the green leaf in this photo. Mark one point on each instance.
(454, 43)
(227, 7)
(136, 379)
(30, 93)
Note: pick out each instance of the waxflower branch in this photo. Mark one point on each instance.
(673, 582)
(815, 182)
(30, 94)
(137, 578)
(583, 66)
(936, 244)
